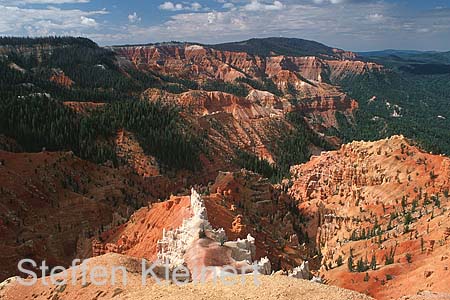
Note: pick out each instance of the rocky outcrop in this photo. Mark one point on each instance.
(301, 272)
(232, 122)
(176, 246)
(201, 62)
(309, 80)
(255, 123)
(139, 236)
(175, 243)
(60, 78)
(194, 242)
(243, 202)
(201, 103)
(130, 152)
(375, 199)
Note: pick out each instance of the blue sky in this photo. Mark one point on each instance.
(349, 24)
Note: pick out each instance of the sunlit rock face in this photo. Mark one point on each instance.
(310, 80)
(197, 245)
(392, 186)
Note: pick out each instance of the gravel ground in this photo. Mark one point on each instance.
(271, 287)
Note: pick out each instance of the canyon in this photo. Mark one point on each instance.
(345, 205)
(309, 80)
(272, 180)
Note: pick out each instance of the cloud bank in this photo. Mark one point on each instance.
(348, 24)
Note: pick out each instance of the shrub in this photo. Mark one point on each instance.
(340, 261)
(408, 257)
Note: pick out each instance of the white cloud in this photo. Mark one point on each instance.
(171, 6)
(423, 30)
(50, 20)
(256, 5)
(366, 24)
(134, 18)
(88, 21)
(228, 5)
(375, 17)
(196, 6)
(363, 25)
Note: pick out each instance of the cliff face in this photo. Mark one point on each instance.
(384, 199)
(257, 122)
(139, 236)
(370, 198)
(368, 201)
(254, 123)
(307, 79)
(241, 203)
(201, 62)
(256, 105)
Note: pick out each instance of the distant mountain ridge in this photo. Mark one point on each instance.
(389, 52)
(436, 57)
(272, 46)
(284, 46)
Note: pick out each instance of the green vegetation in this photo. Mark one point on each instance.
(266, 84)
(340, 261)
(39, 122)
(422, 107)
(411, 100)
(362, 265)
(32, 112)
(373, 262)
(278, 46)
(253, 163)
(294, 148)
(350, 261)
(389, 258)
(408, 257)
(50, 40)
(93, 70)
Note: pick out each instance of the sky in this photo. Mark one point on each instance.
(357, 25)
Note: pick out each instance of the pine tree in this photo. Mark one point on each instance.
(340, 261)
(350, 264)
(373, 262)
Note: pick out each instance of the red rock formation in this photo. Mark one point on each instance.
(256, 106)
(201, 62)
(237, 226)
(345, 193)
(244, 204)
(129, 150)
(311, 77)
(139, 235)
(61, 79)
(83, 107)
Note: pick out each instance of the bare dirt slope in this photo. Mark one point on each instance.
(271, 287)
